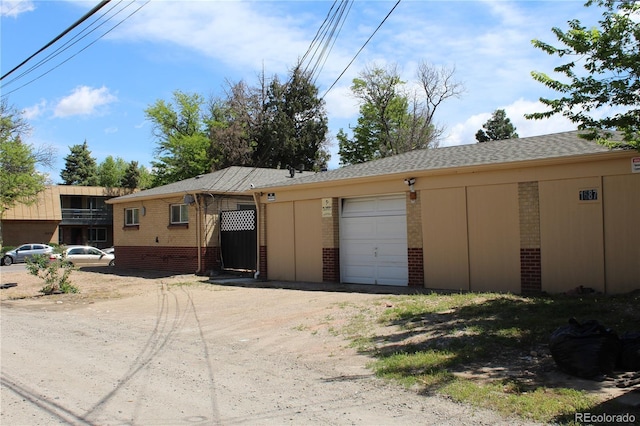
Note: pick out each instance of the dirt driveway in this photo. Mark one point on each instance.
(159, 351)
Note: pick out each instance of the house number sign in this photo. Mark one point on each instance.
(327, 207)
(588, 195)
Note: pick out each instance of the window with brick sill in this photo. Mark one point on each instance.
(178, 226)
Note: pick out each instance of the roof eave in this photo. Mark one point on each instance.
(578, 158)
(120, 200)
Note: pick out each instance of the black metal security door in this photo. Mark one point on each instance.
(238, 239)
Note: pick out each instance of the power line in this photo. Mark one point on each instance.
(361, 49)
(68, 44)
(65, 32)
(63, 48)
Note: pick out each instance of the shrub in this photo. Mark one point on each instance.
(54, 272)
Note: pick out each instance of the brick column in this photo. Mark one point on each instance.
(414, 241)
(262, 241)
(331, 244)
(530, 261)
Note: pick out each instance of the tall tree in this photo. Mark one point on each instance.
(131, 177)
(20, 182)
(80, 167)
(393, 120)
(608, 83)
(111, 172)
(235, 121)
(294, 126)
(182, 134)
(498, 127)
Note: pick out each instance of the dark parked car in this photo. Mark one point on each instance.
(24, 252)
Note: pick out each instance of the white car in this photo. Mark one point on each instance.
(86, 256)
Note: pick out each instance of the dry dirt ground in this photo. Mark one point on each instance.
(158, 350)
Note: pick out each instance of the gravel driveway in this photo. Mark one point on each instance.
(150, 351)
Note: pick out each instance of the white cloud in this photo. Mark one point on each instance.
(84, 101)
(240, 34)
(13, 8)
(33, 112)
(111, 130)
(341, 103)
(465, 132)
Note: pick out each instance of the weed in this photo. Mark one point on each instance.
(55, 273)
(435, 338)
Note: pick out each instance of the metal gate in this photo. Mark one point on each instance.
(238, 239)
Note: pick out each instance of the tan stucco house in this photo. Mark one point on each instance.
(539, 214)
(198, 225)
(62, 214)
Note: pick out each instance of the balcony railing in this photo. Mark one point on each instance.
(87, 217)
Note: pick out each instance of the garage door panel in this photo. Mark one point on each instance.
(359, 228)
(391, 275)
(389, 250)
(361, 274)
(391, 227)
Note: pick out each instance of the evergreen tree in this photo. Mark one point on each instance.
(131, 177)
(294, 128)
(80, 167)
(497, 128)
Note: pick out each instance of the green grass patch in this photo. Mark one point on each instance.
(541, 404)
(437, 337)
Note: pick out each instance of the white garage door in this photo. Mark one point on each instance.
(373, 241)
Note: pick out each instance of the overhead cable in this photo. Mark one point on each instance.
(361, 49)
(65, 32)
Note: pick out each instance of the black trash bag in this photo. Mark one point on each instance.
(588, 350)
(630, 352)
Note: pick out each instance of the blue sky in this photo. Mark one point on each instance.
(100, 93)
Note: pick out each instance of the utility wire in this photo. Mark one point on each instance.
(80, 51)
(361, 49)
(78, 37)
(78, 22)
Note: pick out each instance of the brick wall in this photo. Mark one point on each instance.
(331, 264)
(331, 244)
(181, 260)
(414, 241)
(416, 267)
(262, 263)
(529, 212)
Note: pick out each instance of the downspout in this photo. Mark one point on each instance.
(256, 201)
(199, 240)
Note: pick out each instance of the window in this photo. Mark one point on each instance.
(98, 234)
(179, 213)
(131, 217)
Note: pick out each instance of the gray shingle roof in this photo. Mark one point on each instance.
(233, 181)
(558, 145)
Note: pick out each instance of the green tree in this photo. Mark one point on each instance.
(235, 121)
(20, 182)
(497, 128)
(145, 180)
(80, 167)
(393, 120)
(293, 130)
(131, 177)
(181, 130)
(111, 172)
(608, 83)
